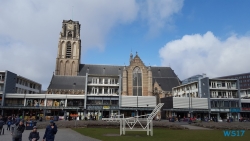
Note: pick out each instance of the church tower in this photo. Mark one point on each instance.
(69, 49)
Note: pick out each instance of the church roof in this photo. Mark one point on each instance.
(167, 83)
(164, 76)
(67, 82)
(162, 72)
(100, 69)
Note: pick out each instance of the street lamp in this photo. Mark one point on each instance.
(77, 114)
(190, 99)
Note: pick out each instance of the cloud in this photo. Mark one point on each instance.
(159, 14)
(30, 29)
(197, 54)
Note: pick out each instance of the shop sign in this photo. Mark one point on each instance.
(245, 109)
(235, 110)
(106, 107)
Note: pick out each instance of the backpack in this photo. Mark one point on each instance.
(9, 122)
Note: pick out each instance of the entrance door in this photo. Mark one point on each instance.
(105, 114)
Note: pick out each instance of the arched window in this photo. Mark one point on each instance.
(68, 51)
(137, 82)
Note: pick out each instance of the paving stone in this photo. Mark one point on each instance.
(63, 134)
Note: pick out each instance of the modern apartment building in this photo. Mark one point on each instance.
(13, 83)
(205, 97)
(244, 79)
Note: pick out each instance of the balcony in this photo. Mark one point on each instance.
(103, 84)
(223, 96)
(105, 94)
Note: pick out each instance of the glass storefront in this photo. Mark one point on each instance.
(55, 103)
(75, 102)
(14, 102)
(34, 102)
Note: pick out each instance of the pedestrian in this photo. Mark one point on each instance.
(34, 135)
(9, 122)
(17, 120)
(17, 131)
(179, 118)
(50, 132)
(1, 125)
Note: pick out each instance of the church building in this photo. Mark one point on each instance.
(104, 90)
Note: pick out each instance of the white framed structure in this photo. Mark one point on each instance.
(128, 124)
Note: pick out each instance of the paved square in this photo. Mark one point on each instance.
(63, 134)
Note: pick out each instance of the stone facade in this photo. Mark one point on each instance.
(69, 49)
(127, 81)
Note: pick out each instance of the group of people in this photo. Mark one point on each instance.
(17, 127)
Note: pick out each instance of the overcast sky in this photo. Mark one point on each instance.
(193, 37)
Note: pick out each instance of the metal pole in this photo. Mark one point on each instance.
(137, 92)
(75, 117)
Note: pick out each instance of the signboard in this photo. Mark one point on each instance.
(106, 107)
(235, 110)
(245, 109)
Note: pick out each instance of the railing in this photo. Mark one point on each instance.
(223, 97)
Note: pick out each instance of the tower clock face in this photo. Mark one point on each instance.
(70, 27)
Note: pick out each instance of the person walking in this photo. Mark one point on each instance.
(17, 131)
(34, 135)
(50, 132)
(9, 123)
(17, 119)
(1, 125)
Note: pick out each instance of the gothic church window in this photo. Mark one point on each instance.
(137, 82)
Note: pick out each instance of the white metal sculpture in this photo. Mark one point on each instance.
(145, 121)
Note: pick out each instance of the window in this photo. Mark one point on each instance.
(137, 82)
(14, 102)
(68, 51)
(226, 104)
(223, 84)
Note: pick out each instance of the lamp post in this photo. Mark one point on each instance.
(190, 100)
(75, 117)
(74, 85)
(77, 114)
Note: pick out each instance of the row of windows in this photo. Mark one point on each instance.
(219, 84)
(103, 81)
(23, 91)
(224, 104)
(102, 90)
(241, 81)
(241, 77)
(102, 102)
(195, 86)
(245, 85)
(27, 83)
(41, 102)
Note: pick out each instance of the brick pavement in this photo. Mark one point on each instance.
(63, 134)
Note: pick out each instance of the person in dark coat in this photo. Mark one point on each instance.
(17, 131)
(1, 125)
(34, 135)
(50, 132)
